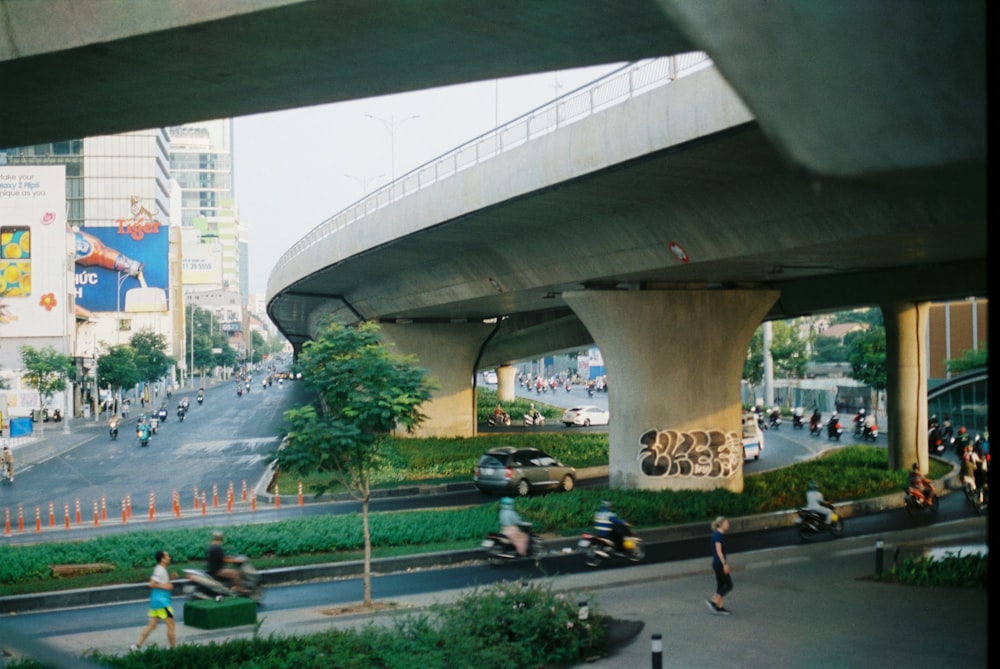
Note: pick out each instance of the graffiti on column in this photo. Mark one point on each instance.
(697, 453)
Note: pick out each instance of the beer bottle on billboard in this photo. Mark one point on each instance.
(92, 251)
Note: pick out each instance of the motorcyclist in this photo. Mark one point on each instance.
(815, 502)
(920, 485)
(832, 424)
(7, 464)
(201, 396)
(797, 414)
(162, 412)
(113, 423)
(608, 525)
(510, 526)
(142, 432)
(962, 441)
(775, 416)
(815, 420)
(859, 421)
(217, 561)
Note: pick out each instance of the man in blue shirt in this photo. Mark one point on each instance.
(160, 607)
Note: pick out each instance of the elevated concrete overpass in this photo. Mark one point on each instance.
(863, 133)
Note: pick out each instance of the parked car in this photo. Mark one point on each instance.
(521, 471)
(585, 416)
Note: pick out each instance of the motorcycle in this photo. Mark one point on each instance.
(499, 547)
(537, 419)
(154, 425)
(812, 522)
(113, 431)
(815, 427)
(834, 430)
(142, 434)
(870, 433)
(917, 502)
(203, 586)
(201, 398)
(774, 422)
(797, 422)
(162, 414)
(598, 549)
(935, 442)
(502, 419)
(55, 416)
(181, 411)
(239, 391)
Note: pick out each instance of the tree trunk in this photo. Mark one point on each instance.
(366, 532)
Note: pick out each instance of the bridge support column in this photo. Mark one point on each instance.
(506, 383)
(674, 362)
(448, 351)
(906, 383)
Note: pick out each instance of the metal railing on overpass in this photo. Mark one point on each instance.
(612, 89)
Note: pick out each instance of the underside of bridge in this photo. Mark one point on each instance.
(857, 176)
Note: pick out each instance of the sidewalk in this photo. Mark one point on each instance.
(812, 605)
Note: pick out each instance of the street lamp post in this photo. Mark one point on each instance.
(191, 367)
(364, 181)
(392, 124)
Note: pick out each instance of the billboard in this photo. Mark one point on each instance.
(124, 267)
(33, 247)
(201, 265)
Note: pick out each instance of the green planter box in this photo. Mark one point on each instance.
(208, 614)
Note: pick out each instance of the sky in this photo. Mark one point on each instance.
(295, 169)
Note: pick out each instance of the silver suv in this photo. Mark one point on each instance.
(520, 471)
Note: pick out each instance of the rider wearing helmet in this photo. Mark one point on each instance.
(962, 441)
(510, 526)
(609, 525)
(815, 502)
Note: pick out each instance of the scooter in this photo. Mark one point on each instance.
(774, 422)
(239, 391)
(834, 429)
(797, 422)
(113, 431)
(815, 427)
(142, 434)
(499, 547)
(598, 549)
(162, 414)
(917, 502)
(201, 398)
(181, 411)
(812, 522)
(502, 419)
(537, 419)
(870, 433)
(935, 442)
(203, 586)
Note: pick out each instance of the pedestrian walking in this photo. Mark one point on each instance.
(720, 565)
(7, 464)
(159, 601)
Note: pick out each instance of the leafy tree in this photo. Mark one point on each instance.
(753, 366)
(867, 357)
(788, 352)
(828, 349)
(363, 394)
(117, 370)
(258, 346)
(46, 370)
(150, 355)
(970, 360)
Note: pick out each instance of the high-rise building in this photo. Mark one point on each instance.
(201, 162)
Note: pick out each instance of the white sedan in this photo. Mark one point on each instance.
(585, 416)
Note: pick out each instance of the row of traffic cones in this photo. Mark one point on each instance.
(101, 511)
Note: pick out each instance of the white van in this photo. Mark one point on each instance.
(753, 437)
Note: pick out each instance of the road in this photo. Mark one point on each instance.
(224, 441)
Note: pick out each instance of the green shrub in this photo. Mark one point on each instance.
(953, 570)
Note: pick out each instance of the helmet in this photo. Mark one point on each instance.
(606, 505)
(835, 415)
(507, 501)
(812, 485)
(861, 411)
(961, 430)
